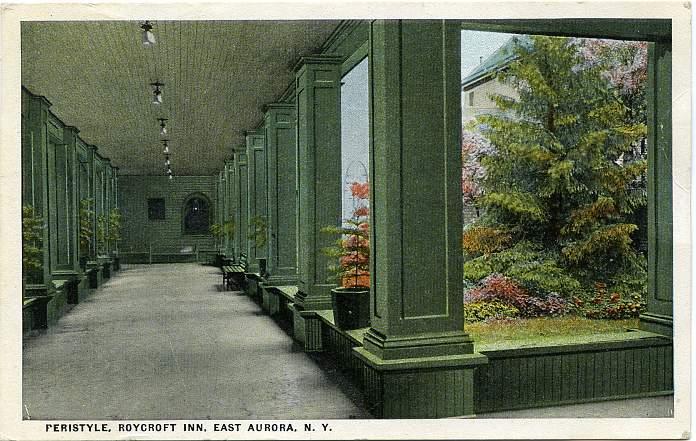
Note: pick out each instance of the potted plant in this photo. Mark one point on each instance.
(220, 232)
(351, 300)
(86, 231)
(259, 235)
(32, 245)
(102, 246)
(114, 235)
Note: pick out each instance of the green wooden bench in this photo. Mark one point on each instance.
(233, 274)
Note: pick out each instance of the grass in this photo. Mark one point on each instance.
(544, 328)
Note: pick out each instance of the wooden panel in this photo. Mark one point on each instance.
(524, 378)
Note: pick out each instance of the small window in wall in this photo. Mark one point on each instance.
(155, 209)
(471, 99)
(196, 215)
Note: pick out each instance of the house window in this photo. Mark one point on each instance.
(155, 209)
(196, 215)
(471, 99)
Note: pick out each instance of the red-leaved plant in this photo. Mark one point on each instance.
(352, 248)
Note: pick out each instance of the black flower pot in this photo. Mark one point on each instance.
(351, 307)
(262, 266)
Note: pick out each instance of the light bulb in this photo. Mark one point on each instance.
(170, 176)
(148, 36)
(157, 97)
(166, 149)
(163, 131)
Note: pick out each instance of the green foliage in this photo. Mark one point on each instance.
(351, 250)
(102, 237)
(258, 231)
(534, 269)
(485, 310)
(222, 231)
(114, 225)
(613, 302)
(561, 177)
(32, 241)
(86, 230)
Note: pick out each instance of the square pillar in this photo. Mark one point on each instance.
(64, 191)
(659, 313)
(318, 110)
(416, 345)
(241, 242)
(281, 172)
(256, 160)
(35, 185)
(227, 198)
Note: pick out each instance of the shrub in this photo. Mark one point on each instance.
(479, 240)
(603, 303)
(536, 271)
(486, 310)
(498, 288)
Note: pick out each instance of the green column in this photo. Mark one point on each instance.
(416, 342)
(281, 172)
(59, 215)
(92, 189)
(318, 110)
(318, 107)
(218, 209)
(658, 317)
(228, 197)
(108, 174)
(256, 158)
(35, 181)
(241, 242)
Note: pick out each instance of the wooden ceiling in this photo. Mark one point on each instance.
(217, 75)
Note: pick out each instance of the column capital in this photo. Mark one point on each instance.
(317, 59)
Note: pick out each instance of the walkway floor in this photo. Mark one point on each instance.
(164, 342)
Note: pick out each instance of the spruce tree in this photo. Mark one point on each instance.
(558, 177)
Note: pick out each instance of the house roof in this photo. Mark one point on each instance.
(500, 58)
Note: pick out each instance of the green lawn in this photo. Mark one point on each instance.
(544, 329)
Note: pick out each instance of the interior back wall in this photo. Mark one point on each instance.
(165, 235)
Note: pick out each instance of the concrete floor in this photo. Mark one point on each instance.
(164, 342)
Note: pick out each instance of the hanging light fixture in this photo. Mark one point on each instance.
(166, 161)
(157, 92)
(166, 146)
(163, 126)
(148, 36)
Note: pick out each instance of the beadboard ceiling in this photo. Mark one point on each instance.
(217, 77)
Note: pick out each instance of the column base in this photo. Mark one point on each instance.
(419, 345)
(280, 281)
(657, 323)
(321, 299)
(270, 301)
(425, 387)
(94, 274)
(306, 329)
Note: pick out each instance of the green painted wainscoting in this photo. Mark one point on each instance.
(520, 375)
(166, 236)
(637, 365)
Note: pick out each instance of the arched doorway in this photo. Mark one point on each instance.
(196, 215)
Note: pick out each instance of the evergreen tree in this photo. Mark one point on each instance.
(556, 177)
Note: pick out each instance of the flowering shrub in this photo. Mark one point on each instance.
(606, 304)
(499, 288)
(474, 147)
(352, 248)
